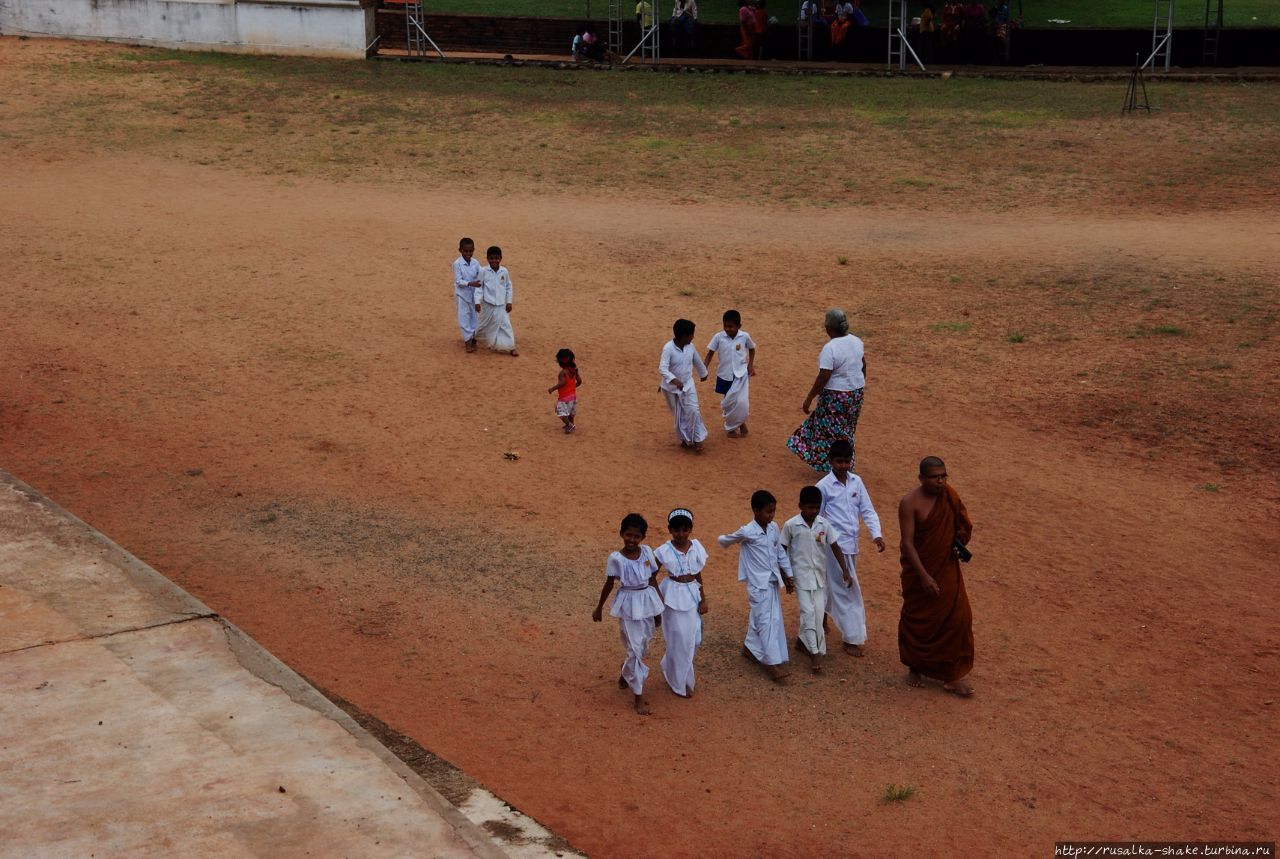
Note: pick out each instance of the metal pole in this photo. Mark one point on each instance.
(913, 53)
(1168, 56)
(902, 23)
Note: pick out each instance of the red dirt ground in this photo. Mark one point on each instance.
(215, 370)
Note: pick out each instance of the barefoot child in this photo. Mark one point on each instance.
(566, 387)
(737, 352)
(466, 280)
(683, 559)
(807, 538)
(844, 502)
(676, 366)
(636, 605)
(493, 303)
(763, 566)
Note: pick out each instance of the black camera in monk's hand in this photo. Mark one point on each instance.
(962, 551)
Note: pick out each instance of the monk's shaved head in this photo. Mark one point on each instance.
(931, 462)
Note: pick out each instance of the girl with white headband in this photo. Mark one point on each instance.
(683, 559)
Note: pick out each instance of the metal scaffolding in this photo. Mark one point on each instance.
(650, 45)
(416, 38)
(899, 47)
(1161, 36)
(1212, 31)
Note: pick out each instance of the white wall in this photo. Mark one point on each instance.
(340, 28)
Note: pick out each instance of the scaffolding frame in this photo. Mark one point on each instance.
(650, 45)
(1212, 31)
(1161, 36)
(416, 36)
(899, 46)
(804, 34)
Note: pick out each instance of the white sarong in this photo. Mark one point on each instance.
(688, 416)
(844, 604)
(467, 316)
(494, 330)
(635, 636)
(735, 405)
(682, 631)
(766, 635)
(812, 604)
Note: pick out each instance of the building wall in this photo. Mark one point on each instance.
(336, 28)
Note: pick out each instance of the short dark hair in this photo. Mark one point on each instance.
(840, 449)
(493, 251)
(464, 241)
(682, 328)
(566, 355)
(931, 462)
(680, 522)
(732, 316)
(761, 499)
(810, 495)
(634, 522)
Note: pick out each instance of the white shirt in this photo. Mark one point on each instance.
(806, 547)
(495, 286)
(681, 596)
(464, 272)
(761, 561)
(685, 7)
(843, 504)
(636, 599)
(731, 354)
(845, 8)
(677, 363)
(843, 357)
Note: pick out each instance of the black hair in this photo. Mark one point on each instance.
(680, 522)
(732, 316)
(840, 449)
(931, 462)
(493, 251)
(464, 241)
(682, 328)
(761, 499)
(566, 354)
(810, 495)
(634, 522)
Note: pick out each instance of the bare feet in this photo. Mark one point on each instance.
(514, 353)
(958, 687)
(747, 653)
(815, 663)
(697, 447)
(642, 707)
(915, 680)
(734, 433)
(622, 682)
(743, 429)
(471, 345)
(853, 649)
(777, 673)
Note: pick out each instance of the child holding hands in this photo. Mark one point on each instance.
(763, 565)
(683, 559)
(637, 604)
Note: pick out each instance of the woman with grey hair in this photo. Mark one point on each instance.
(842, 373)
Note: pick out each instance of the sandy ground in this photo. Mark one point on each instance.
(257, 387)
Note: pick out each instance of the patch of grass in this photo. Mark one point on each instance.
(842, 260)
(954, 327)
(1016, 337)
(1156, 331)
(899, 792)
(954, 278)
(1210, 487)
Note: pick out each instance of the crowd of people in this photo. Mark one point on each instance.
(963, 32)
(812, 555)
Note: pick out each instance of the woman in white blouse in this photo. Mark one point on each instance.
(842, 372)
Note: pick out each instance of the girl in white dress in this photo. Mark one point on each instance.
(637, 604)
(683, 559)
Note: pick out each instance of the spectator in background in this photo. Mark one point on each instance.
(859, 19)
(928, 33)
(684, 23)
(949, 32)
(761, 23)
(840, 34)
(644, 15)
(747, 30)
(590, 45)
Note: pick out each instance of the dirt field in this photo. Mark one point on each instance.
(231, 348)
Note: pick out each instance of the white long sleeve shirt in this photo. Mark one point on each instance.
(762, 562)
(495, 286)
(677, 363)
(464, 272)
(844, 504)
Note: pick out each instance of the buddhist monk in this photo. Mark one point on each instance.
(935, 631)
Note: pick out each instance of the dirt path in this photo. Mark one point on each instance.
(256, 387)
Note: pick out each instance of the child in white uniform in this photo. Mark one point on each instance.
(683, 559)
(737, 352)
(676, 366)
(466, 280)
(763, 565)
(844, 502)
(808, 537)
(637, 604)
(493, 302)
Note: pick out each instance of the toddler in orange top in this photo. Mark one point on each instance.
(566, 388)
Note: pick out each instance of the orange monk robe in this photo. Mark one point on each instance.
(935, 634)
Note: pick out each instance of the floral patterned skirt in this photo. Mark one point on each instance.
(835, 418)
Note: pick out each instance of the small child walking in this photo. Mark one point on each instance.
(808, 537)
(637, 604)
(493, 303)
(763, 565)
(737, 353)
(845, 503)
(566, 387)
(466, 282)
(679, 360)
(683, 559)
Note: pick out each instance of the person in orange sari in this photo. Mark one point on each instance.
(747, 27)
(935, 630)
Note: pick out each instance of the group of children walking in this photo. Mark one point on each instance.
(813, 555)
(483, 295)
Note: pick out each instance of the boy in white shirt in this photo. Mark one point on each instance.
(466, 279)
(737, 353)
(808, 537)
(679, 360)
(493, 302)
(844, 503)
(763, 565)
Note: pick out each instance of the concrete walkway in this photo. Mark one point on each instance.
(135, 722)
